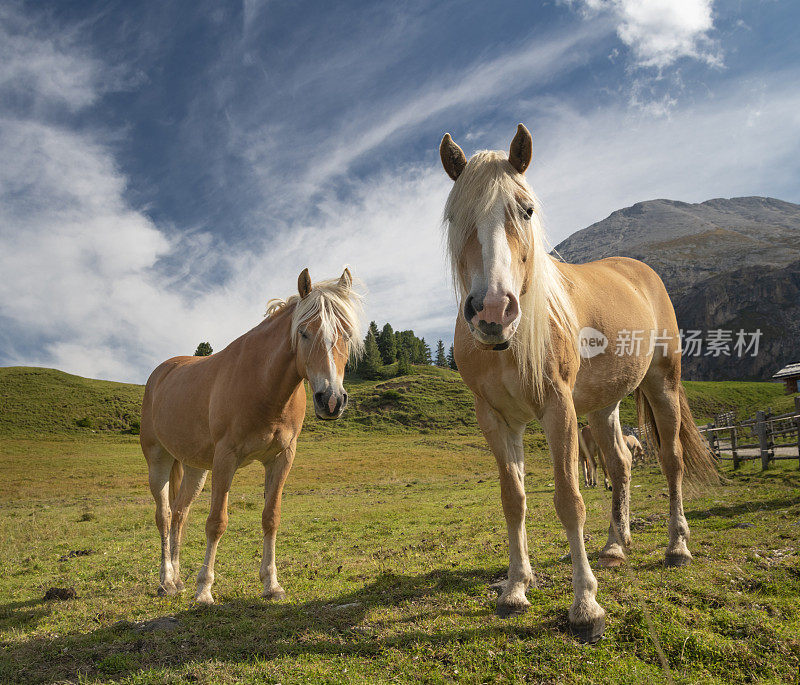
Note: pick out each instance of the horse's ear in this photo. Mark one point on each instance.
(521, 149)
(346, 279)
(304, 283)
(453, 159)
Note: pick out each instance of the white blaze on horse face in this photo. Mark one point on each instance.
(494, 288)
(324, 378)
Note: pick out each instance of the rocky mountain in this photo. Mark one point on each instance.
(728, 264)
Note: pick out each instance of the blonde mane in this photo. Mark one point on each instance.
(339, 308)
(487, 177)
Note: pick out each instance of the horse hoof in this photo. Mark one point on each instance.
(204, 598)
(611, 561)
(276, 595)
(509, 610)
(677, 560)
(168, 590)
(589, 633)
(179, 586)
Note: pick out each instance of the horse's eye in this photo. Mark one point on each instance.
(529, 212)
(304, 335)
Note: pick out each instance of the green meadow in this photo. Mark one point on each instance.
(392, 533)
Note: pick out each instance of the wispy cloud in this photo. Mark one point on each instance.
(91, 284)
(660, 32)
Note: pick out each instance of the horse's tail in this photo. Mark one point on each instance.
(175, 478)
(699, 462)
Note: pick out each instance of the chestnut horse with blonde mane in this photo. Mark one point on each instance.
(591, 454)
(516, 346)
(243, 404)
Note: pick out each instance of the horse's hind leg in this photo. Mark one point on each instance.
(617, 464)
(190, 487)
(593, 471)
(222, 472)
(587, 478)
(274, 478)
(662, 394)
(159, 465)
(604, 466)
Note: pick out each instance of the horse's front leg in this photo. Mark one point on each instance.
(275, 477)
(225, 463)
(586, 616)
(505, 441)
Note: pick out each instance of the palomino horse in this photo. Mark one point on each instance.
(517, 348)
(635, 448)
(242, 404)
(591, 454)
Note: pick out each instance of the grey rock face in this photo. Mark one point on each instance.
(727, 264)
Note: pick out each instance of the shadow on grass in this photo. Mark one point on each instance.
(242, 630)
(22, 614)
(742, 508)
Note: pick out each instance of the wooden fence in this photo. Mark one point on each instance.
(765, 436)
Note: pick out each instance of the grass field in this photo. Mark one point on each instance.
(392, 532)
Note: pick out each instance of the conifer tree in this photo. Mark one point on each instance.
(451, 359)
(370, 365)
(203, 350)
(387, 344)
(425, 353)
(441, 359)
(403, 365)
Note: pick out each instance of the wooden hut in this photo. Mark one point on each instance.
(789, 374)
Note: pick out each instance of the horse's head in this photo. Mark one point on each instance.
(490, 212)
(635, 447)
(325, 331)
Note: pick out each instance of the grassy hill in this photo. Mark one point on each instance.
(46, 402)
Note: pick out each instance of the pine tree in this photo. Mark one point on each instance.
(451, 359)
(425, 353)
(370, 365)
(203, 350)
(387, 344)
(373, 328)
(441, 359)
(403, 365)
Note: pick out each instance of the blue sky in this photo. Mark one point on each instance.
(169, 167)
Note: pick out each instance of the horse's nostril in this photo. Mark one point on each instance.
(319, 399)
(469, 309)
(344, 400)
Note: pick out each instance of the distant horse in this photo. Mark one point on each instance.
(635, 448)
(242, 404)
(517, 348)
(591, 454)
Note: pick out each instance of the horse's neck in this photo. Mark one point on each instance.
(267, 359)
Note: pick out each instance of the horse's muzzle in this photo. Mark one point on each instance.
(329, 405)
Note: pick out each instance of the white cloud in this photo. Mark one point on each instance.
(108, 294)
(660, 32)
(745, 141)
(49, 68)
(535, 63)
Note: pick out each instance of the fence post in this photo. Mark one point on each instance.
(734, 447)
(763, 442)
(797, 425)
(710, 435)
